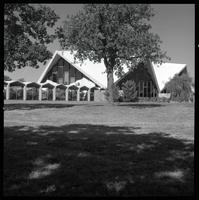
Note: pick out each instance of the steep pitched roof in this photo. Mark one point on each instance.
(161, 74)
(94, 71)
(69, 58)
(166, 72)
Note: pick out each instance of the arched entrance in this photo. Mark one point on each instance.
(72, 93)
(84, 93)
(60, 92)
(32, 90)
(47, 91)
(15, 90)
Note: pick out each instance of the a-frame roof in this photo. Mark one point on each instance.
(165, 72)
(96, 71)
(70, 60)
(161, 74)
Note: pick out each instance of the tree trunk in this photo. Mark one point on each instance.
(110, 84)
(109, 69)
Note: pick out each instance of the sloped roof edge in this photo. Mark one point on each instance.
(81, 70)
(48, 67)
(153, 73)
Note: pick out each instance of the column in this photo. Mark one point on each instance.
(40, 93)
(54, 93)
(24, 93)
(78, 94)
(89, 94)
(66, 94)
(8, 92)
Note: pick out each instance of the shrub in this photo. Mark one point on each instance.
(180, 88)
(129, 91)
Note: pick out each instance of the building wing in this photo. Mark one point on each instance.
(165, 72)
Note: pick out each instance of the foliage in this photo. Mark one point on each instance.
(115, 34)
(179, 87)
(7, 78)
(129, 90)
(26, 36)
(21, 79)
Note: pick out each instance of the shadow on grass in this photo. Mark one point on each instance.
(20, 106)
(141, 105)
(95, 160)
(31, 106)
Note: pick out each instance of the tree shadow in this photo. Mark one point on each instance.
(21, 106)
(141, 105)
(95, 160)
(31, 106)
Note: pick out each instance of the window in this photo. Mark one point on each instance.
(141, 88)
(149, 89)
(54, 76)
(60, 71)
(72, 79)
(60, 80)
(66, 77)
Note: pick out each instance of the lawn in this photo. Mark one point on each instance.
(95, 149)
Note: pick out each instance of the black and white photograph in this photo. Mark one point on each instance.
(99, 100)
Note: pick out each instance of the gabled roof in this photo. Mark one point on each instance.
(165, 72)
(69, 58)
(15, 83)
(96, 71)
(161, 74)
(32, 84)
(85, 82)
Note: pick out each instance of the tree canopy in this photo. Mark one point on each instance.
(115, 34)
(7, 78)
(179, 87)
(26, 35)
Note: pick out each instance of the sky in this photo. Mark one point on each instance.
(174, 23)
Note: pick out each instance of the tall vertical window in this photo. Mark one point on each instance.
(54, 76)
(66, 77)
(60, 71)
(141, 88)
(72, 75)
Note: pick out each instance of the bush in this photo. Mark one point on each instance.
(180, 88)
(129, 91)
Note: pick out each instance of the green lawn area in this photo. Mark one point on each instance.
(95, 149)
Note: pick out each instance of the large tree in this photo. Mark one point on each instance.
(26, 35)
(115, 34)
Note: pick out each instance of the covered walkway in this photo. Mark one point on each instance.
(48, 90)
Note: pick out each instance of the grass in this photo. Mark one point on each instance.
(98, 149)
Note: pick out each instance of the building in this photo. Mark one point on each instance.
(65, 79)
(150, 78)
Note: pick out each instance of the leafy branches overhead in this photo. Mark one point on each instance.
(116, 32)
(26, 36)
